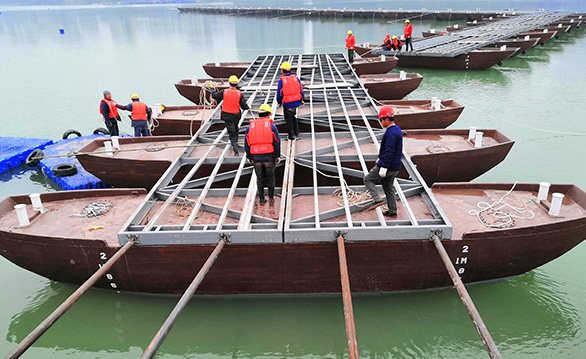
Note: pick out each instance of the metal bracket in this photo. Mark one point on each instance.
(439, 233)
(226, 237)
(343, 234)
(133, 238)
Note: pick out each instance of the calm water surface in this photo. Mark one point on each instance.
(50, 83)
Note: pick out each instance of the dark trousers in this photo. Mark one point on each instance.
(407, 44)
(398, 47)
(112, 126)
(351, 55)
(372, 178)
(290, 114)
(232, 127)
(141, 131)
(265, 177)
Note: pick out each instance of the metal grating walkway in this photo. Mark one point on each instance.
(338, 121)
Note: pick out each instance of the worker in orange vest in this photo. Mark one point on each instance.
(141, 113)
(263, 149)
(396, 44)
(290, 95)
(109, 111)
(407, 32)
(232, 102)
(387, 43)
(350, 45)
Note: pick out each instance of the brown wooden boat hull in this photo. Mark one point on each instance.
(426, 120)
(524, 45)
(474, 60)
(374, 266)
(543, 36)
(392, 90)
(192, 92)
(374, 66)
(365, 51)
(226, 69)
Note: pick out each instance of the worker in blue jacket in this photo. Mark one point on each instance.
(290, 94)
(388, 164)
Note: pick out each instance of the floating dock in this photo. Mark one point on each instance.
(82, 179)
(15, 150)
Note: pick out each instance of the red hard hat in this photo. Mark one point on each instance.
(388, 35)
(385, 111)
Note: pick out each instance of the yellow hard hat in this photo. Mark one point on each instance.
(265, 108)
(233, 78)
(134, 96)
(286, 66)
(407, 20)
(349, 32)
(394, 36)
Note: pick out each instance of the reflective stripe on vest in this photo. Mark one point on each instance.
(260, 136)
(111, 106)
(231, 102)
(291, 90)
(139, 111)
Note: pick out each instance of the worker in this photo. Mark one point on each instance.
(232, 102)
(109, 110)
(388, 163)
(407, 32)
(263, 149)
(387, 43)
(141, 114)
(396, 44)
(290, 94)
(350, 45)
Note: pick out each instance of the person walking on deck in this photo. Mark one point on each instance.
(290, 94)
(141, 113)
(388, 163)
(109, 111)
(407, 32)
(396, 44)
(350, 45)
(263, 149)
(232, 102)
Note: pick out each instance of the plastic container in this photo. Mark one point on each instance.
(402, 75)
(36, 201)
(543, 191)
(478, 139)
(504, 48)
(108, 147)
(115, 143)
(472, 133)
(556, 204)
(22, 215)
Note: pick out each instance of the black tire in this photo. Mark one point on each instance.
(67, 133)
(523, 52)
(101, 130)
(31, 161)
(64, 170)
(500, 63)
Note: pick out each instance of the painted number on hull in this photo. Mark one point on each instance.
(464, 249)
(462, 261)
(103, 255)
(109, 276)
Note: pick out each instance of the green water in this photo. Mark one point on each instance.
(50, 83)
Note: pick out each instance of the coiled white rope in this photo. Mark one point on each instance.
(503, 218)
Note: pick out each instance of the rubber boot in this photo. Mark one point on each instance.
(271, 194)
(261, 194)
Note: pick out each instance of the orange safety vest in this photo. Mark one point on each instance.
(231, 102)
(408, 30)
(291, 90)
(111, 106)
(397, 43)
(139, 111)
(260, 136)
(350, 42)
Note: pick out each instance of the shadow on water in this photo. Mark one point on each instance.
(526, 312)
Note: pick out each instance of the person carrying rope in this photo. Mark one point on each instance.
(141, 114)
(407, 32)
(232, 102)
(388, 163)
(263, 149)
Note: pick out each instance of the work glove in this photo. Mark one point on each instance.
(382, 172)
(250, 162)
(278, 160)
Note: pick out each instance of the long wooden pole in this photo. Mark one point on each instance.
(151, 350)
(68, 303)
(489, 344)
(347, 298)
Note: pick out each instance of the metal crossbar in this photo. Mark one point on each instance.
(338, 144)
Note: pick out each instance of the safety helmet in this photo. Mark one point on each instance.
(286, 66)
(386, 111)
(349, 32)
(407, 21)
(388, 35)
(134, 96)
(233, 79)
(265, 108)
(394, 36)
